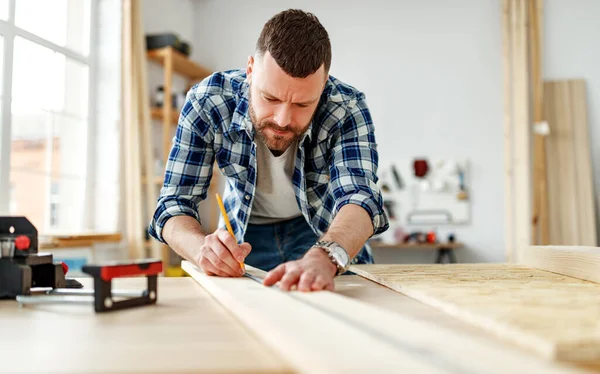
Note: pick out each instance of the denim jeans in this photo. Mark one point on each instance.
(285, 241)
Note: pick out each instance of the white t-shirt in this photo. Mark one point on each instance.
(274, 197)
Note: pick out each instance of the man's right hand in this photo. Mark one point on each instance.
(221, 255)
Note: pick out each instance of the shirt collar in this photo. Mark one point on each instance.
(240, 120)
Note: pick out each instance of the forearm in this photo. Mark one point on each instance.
(185, 235)
(350, 228)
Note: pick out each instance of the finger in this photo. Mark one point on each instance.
(246, 249)
(231, 244)
(290, 278)
(225, 256)
(274, 275)
(210, 269)
(306, 281)
(320, 283)
(220, 264)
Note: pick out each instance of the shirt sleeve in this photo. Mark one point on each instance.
(354, 166)
(189, 167)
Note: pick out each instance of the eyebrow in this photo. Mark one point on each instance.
(268, 95)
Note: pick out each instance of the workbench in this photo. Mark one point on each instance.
(189, 331)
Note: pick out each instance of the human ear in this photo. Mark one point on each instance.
(250, 66)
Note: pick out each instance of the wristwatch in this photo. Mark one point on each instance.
(337, 254)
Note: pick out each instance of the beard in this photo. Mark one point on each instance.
(277, 143)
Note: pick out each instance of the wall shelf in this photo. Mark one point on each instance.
(180, 63)
(158, 114)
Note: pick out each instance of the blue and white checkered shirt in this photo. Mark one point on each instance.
(336, 163)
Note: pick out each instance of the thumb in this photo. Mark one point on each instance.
(246, 249)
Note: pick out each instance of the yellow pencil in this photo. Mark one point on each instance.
(227, 223)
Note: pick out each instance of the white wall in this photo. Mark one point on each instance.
(572, 50)
(431, 70)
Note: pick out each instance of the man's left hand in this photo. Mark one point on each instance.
(314, 272)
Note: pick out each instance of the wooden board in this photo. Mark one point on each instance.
(540, 229)
(132, 163)
(570, 190)
(553, 315)
(578, 262)
(186, 332)
(310, 340)
(517, 129)
(423, 333)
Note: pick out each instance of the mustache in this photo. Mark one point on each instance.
(272, 125)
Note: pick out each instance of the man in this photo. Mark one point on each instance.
(298, 152)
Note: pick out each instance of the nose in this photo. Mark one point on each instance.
(283, 115)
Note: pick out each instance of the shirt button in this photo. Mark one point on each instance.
(247, 197)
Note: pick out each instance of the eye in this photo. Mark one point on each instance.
(302, 105)
(270, 99)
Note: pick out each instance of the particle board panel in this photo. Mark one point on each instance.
(310, 340)
(551, 314)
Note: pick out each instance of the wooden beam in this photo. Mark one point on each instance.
(583, 165)
(516, 129)
(131, 151)
(294, 329)
(508, 131)
(414, 335)
(144, 128)
(540, 226)
(575, 261)
(570, 184)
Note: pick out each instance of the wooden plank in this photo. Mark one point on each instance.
(144, 128)
(516, 129)
(550, 314)
(583, 165)
(553, 173)
(572, 212)
(455, 348)
(131, 154)
(508, 131)
(575, 261)
(294, 329)
(522, 130)
(187, 331)
(540, 229)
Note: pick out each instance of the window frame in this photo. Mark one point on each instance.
(9, 31)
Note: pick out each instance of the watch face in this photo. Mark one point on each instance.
(340, 256)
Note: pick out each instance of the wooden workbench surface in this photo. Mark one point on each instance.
(188, 331)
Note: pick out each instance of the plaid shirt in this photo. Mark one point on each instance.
(336, 163)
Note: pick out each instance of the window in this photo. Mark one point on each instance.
(47, 147)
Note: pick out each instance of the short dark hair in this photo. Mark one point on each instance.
(297, 41)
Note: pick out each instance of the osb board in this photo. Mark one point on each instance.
(554, 315)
